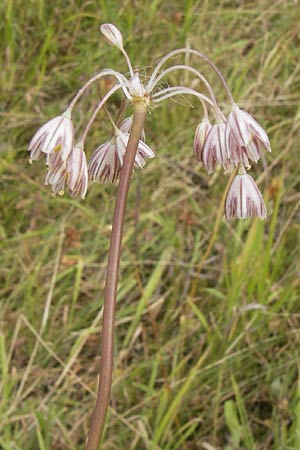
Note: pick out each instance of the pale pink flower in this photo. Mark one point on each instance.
(126, 125)
(104, 164)
(77, 172)
(201, 134)
(107, 160)
(112, 35)
(244, 199)
(143, 151)
(57, 173)
(214, 151)
(238, 154)
(247, 133)
(72, 172)
(55, 135)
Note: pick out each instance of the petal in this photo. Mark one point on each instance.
(208, 154)
(53, 138)
(67, 142)
(201, 134)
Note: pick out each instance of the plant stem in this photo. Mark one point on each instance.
(110, 293)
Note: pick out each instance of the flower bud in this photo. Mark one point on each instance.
(112, 35)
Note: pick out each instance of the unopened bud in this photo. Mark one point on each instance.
(112, 35)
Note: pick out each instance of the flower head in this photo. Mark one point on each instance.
(112, 35)
(214, 150)
(201, 134)
(244, 131)
(243, 198)
(55, 135)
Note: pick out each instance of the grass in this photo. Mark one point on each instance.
(207, 333)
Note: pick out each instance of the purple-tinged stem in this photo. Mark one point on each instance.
(110, 293)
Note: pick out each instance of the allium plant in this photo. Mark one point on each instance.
(232, 142)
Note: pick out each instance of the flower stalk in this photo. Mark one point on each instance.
(110, 293)
(231, 141)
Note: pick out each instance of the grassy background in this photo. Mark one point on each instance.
(207, 334)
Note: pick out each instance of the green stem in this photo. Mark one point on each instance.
(110, 293)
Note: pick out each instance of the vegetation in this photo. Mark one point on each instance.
(208, 323)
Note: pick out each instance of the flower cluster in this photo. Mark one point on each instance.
(232, 142)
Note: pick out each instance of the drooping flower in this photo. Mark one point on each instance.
(72, 172)
(214, 151)
(57, 173)
(126, 125)
(201, 134)
(243, 198)
(143, 151)
(104, 164)
(55, 135)
(247, 133)
(238, 154)
(112, 35)
(77, 171)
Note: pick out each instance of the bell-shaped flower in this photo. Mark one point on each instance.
(143, 151)
(214, 151)
(72, 172)
(247, 133)
(104, 164)
(243, 198)
(55, 135)
(126, 125)
(112, 35)
(238, 154)
(77, 172)
(201, 134)
(57, 173)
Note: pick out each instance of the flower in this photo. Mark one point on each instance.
(238, 154)
(104, 164)
(243, 198)
(77, 172)
(126, 125)
(55, 135)
(72, 172)
(247, 133)
(143, 151)
(214, 151)
(201, 134)
(106, 161)
(57, 173)
(112, 35)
